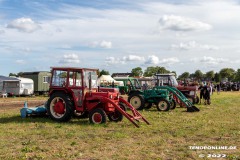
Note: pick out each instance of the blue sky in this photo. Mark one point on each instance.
(118, 35)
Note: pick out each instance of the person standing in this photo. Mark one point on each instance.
(218, 88)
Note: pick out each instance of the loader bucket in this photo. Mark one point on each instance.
(196, 109)
(192, 109)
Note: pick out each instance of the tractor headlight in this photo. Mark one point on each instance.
(111, 96)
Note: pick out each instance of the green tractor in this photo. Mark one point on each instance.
(144, 98)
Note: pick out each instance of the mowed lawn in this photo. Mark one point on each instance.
(168, 137)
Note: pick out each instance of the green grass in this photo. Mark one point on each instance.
(168, 137)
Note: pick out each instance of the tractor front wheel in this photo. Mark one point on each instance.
(117, 116)
(163, 105)
(137, 101)
(60, 107)
(98, 116)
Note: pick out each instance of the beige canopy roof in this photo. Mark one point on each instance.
(107, 79)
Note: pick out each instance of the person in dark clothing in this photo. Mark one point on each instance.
(204, 94)
(218, 88)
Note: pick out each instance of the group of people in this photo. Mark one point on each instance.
(205, 93)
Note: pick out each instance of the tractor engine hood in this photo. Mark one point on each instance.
(189, 88)
(115, 90)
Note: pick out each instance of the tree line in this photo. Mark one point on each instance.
(229, 73)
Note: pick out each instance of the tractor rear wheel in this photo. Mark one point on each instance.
(98, 116)
(137, 101)
(60, 107)
(117, 116)
(173, 104)
(163, 105)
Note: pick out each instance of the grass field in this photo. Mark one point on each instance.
(169, 136)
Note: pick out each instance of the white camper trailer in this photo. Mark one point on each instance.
(17, 86)
(26, 86)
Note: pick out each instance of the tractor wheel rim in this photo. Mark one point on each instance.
(114, 116)
(57, 102)
(97, 118)
(162, 105)
(135, 102)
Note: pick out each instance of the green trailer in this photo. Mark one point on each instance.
(41, 81)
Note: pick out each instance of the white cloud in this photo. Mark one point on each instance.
(133, 58)
(102, 44)
(113, 60)
(2, 31)
(24, 25)
(20, 61)
(177, 23)
(124, 60)
(193, 45)
(106, 44)
(70, 59)
(169, 61)
(152, 60)
(210, 60)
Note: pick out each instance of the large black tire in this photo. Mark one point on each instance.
(60, 107)
(137, 101)
(173, 104)
(163, 105)
(117, 116)
(97, 116)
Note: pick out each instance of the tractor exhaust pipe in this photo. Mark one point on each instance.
(90, 83)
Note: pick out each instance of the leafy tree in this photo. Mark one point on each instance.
(217, 77)
(103, 72)
(210, 75)
(20, 74)
(184, 75)
(150, 71)
(137, 71)
(175, 73)
(237, 75)
(12, 74)
(198, 75)
(227, 73)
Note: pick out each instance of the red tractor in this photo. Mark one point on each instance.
(75, 91)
